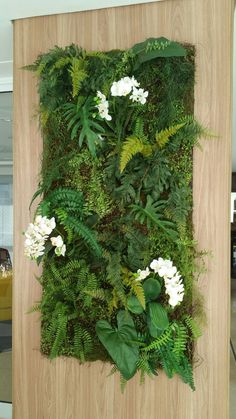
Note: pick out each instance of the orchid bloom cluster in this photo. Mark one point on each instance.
(60, 249)
(37, 234)
(128, 85)
(102, 106)
(173, 282)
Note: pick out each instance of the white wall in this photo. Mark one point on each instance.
(17, 9)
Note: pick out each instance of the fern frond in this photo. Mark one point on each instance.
(131, 147)
(99, 294)
(83, 231)
(62, 217)
(113, 303)
(44, 116)
(78, 74)
(163, 136)
(60, 63)
(193, 327)
(98, 54)
(78, 345)
(139, 130)
(82, 342)
(60, 335)
(137, 289)
(66, 198)
(180, 340)
(144, 366)
(114, 278)
(161, 341)
(186, 372)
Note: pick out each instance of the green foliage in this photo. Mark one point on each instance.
(80, 119)
(158, 316)
(78, 74)
(152, 288)
(83, 231)
(193, 327)
(70, 200)
(134, 305)
(173, 365)
(120, 343)
(180, 340)
(85, 175)
(153, 48)
(152, 214)
(163, 136)
(120, 192)
(132, 146)
(161, 341)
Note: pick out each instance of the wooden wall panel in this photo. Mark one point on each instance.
(63, 389)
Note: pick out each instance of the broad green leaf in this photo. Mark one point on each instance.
(120, 343)
(154, 331)
(152, 288)
(158, 316)
(153, 48)
(134, 305)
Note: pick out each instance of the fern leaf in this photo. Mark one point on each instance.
(78, 345)
(83, 231)
(163, 136)
(99, 294)
(144, 367)
(194, 327)
(161, 341)
(60, 63)
(60, 335)
(137, 289)
(131, 147)
(78, 74)
(180, 340)
(114, 278)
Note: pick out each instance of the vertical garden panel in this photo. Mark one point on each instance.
(63, 389)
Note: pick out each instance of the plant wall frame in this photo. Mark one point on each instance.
(113, 229)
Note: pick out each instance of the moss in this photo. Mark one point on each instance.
(104, 235)
(85, 175)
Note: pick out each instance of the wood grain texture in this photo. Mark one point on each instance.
(63, 389)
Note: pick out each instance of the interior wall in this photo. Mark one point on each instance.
(63, 389)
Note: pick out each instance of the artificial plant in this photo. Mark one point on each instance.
(113, 229)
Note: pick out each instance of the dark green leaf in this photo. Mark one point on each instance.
(120, 343)
(152, 288)
(134, 305)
